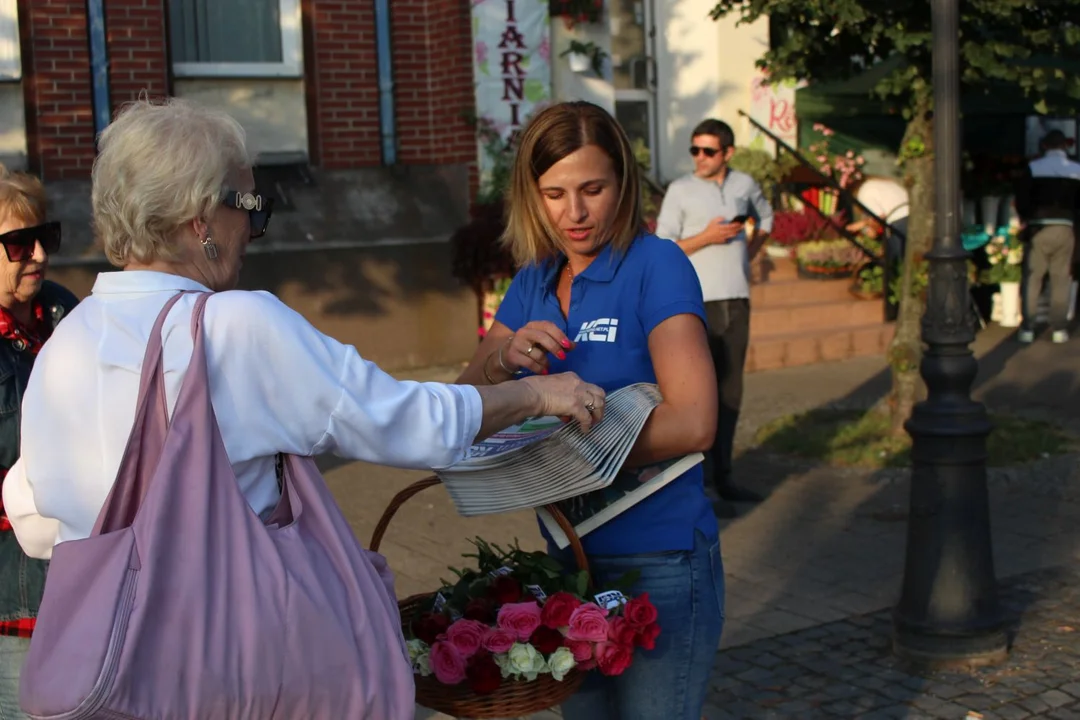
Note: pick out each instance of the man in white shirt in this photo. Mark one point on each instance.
(705, 213)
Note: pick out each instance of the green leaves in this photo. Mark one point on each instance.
(1030, 45)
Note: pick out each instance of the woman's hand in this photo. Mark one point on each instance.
(528, 348)
(568, 396)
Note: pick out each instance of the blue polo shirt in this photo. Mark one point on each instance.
(614, 305)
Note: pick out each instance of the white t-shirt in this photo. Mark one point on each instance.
(276, 384)
(886, 198)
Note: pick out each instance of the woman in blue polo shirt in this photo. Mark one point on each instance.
(598, 296)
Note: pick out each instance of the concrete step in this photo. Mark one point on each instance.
(790, 292)
(808, 347)
(807, 316)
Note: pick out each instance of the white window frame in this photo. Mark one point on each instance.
(292, 54)
(10, 63)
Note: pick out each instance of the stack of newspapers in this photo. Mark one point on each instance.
(546, 460)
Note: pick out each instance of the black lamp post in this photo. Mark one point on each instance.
(948, 612)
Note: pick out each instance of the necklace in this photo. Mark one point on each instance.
(569, 272)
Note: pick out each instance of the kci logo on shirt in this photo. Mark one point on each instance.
(600, 330)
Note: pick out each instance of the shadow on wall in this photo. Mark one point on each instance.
(697, 79)
(362, 254)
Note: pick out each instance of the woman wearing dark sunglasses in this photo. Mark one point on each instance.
(30, 307)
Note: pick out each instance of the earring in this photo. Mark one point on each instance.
(209, 248)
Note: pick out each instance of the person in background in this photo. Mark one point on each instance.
(30, 308)
(704, 213)
(888, 200)
(599, 296)
(1047, 200)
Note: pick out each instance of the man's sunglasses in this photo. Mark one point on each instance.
(19, 244)
(696, 150)
(258, 207)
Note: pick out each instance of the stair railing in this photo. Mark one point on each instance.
(890, 308)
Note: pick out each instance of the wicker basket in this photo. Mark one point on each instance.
(514, 697)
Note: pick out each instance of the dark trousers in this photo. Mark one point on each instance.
(729, 336)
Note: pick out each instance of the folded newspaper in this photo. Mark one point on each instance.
(545, 460)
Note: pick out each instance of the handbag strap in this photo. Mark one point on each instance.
(147, 436)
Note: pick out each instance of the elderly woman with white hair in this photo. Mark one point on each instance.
(175, 207)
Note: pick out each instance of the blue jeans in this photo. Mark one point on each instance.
(12, 654)
(669, 682)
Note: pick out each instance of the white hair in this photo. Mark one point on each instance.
(160, 164)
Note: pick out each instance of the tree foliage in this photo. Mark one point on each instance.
(1033, 45)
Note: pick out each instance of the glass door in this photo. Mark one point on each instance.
(634, 71)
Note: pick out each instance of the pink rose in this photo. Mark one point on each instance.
(497, 640)
(588, 623)
(467, 636)
(581, 649)
(613, 658)
(447, 663)
(520, 619)
(620, 631)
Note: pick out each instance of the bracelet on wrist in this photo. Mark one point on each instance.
(503, 365)
(487, 375)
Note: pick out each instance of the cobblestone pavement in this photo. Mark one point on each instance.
(846, 668)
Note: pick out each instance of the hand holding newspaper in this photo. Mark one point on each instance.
(544, 460)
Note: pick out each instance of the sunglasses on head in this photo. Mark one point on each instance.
(19, 244)
(258, 207)
(696, 150)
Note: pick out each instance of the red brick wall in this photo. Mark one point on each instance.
(342, 83)
(433, 81)
(138, 54)
(57, 87)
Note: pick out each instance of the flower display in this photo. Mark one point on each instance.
(845, 167)
(574, 12)
(521, 615)
(1005, 253)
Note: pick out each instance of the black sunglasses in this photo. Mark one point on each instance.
(696, 150)
(258, 207)
(19, 244)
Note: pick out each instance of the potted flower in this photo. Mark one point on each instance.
(583, 56)
(791, 227)
(575, 12)
(827, 259)
(1005, 253)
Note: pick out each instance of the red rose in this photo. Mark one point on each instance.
(621, 632)
(613, 658)
(483, 674)
(646, 639)
(505, 589)
(429, 626)
(582, 650)
(557, 610)
(480, 610)
(546, 640)
(639, 612)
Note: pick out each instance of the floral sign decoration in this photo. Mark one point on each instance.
(521, 615)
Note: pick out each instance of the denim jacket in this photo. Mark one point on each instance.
(22, 579)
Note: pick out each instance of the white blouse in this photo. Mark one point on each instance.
(277, 385)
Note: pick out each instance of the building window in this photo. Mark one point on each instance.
(10, 64)
(235, 38)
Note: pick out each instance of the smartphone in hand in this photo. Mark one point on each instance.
(740, 219)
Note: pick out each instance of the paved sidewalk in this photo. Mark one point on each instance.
(825, 551)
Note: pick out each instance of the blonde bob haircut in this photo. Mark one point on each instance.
(554, 133)
(160, 165)
(22, 198)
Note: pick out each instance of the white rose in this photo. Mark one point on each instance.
(561, 662)
(416, 649)
(526, 661)
(422, 664)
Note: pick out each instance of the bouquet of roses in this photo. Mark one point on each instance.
(521, 615)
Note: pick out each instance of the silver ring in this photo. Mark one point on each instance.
(531, 348)
(590, 407)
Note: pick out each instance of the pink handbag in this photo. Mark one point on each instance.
(184, 604)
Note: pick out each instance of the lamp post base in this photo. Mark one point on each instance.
(937, 651)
